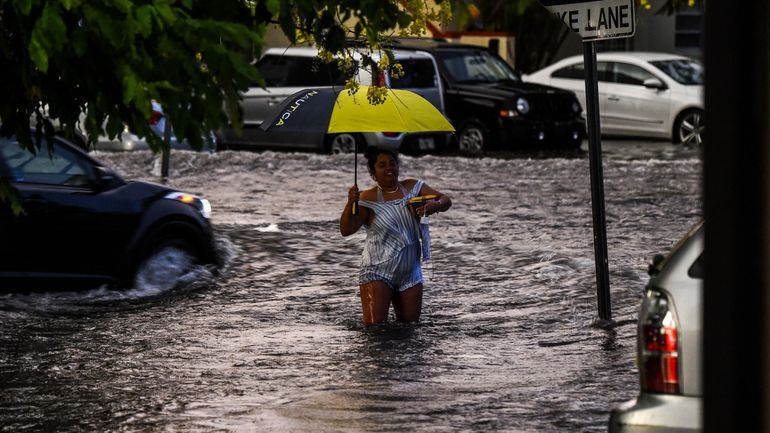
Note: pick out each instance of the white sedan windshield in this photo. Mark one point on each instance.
(687, 72)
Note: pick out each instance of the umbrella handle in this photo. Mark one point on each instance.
(354, 207)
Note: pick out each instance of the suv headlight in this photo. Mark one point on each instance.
(201, 204)
(522, 106)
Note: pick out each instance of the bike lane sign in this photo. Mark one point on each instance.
(595, 20)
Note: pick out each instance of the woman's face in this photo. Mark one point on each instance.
(385, 169)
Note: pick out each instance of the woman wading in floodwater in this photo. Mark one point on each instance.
(390, 264)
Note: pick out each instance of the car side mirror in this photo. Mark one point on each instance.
(654, 83)
(654, 267)
(104, 177)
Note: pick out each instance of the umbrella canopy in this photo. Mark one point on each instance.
(334, 110)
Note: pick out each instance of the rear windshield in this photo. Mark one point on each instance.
(292, 71)
(418, 73)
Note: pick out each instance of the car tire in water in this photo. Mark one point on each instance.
(166, 255)
(344, 143)
(472, 138)
(689, 127)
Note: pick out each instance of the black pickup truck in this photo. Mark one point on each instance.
(492, 108)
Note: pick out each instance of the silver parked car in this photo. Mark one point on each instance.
(640, 94)
(669, 340)
(290, 70)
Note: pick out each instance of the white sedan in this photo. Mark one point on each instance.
(640, 94)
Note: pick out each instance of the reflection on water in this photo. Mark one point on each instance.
(507, 341)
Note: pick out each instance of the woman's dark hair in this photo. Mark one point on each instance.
(372, 152)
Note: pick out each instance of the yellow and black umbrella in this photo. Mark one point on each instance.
(335, 110)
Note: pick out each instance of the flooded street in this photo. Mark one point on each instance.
(275, 343)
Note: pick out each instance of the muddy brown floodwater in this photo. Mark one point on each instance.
(506, 342)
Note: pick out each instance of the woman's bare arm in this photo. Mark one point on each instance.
(350, 223)
(441, 203)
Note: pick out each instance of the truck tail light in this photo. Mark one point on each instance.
(659, 366)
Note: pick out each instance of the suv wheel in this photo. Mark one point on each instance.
(164, 265)
(688, 128)
(472, 138)
(343, 143)
(167, 253)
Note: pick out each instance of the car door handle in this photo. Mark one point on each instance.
(613, 98)
(273, 101)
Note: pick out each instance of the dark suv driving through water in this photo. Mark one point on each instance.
(492, 108)
(81, 225)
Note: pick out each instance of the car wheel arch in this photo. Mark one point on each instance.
(153, 232)
(163, 216)
(331, 144)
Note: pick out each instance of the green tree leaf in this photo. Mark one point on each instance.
(23, 6)
(38, 54)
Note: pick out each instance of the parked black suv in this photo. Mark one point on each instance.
(83, 226)
(492, 108)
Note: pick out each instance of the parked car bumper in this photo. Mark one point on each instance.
(564, 134)
(657, 413)
(383, 141)
(425, 143)
(417, 142)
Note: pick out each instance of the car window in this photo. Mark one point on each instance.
(626, 73)
(418, 73)
(605, 72)
(293, 71)
(573, 72)
(577, 72)
(63, 167)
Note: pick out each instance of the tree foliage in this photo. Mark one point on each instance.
(110, 59)
(669, 7)
(97, 64)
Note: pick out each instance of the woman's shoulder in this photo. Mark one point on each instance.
(369, 194)
(409, 183)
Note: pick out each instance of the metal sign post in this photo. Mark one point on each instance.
(597, 183)
(594, 20)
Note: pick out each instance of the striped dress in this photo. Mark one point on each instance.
(392, 250)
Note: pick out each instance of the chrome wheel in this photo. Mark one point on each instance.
(689, 128)
(471, 139)
(342, 143)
